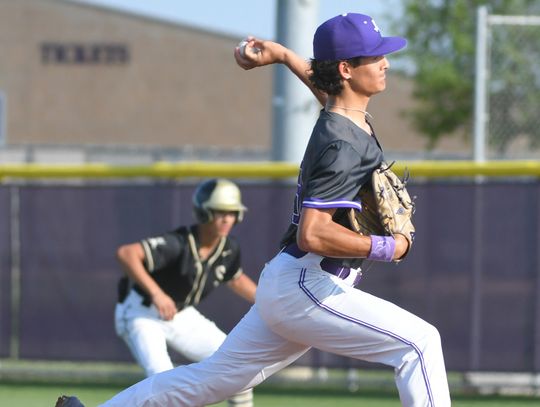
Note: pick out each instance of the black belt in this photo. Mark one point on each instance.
(147, 301)
(327, 264)
(146, 298)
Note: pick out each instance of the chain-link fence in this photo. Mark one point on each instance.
(512, 88)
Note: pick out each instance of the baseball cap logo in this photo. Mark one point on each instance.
(352, 35)
(375, 26)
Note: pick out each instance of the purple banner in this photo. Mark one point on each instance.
(473, 271)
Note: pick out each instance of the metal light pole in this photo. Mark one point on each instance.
(294, 106)
(480, 93)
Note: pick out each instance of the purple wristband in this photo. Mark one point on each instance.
(382, 248)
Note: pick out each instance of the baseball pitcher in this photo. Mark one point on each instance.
(310, 293)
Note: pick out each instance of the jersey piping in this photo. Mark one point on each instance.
(315, 203)
(148, 255)
(194, 296)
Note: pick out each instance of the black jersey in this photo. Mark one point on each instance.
(173, 261)
(339, 159)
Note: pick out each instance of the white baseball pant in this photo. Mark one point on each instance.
(147, 335)
(189, 333)
(301, 306)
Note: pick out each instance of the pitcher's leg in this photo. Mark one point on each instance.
(349, 322)
(250, 353)
(197, 338)
(386, 333)
(425, 357)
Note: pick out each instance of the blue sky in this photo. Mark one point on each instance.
(243, 17)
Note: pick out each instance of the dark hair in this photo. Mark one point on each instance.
(325, 75)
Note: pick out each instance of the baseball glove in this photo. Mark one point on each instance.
(387, 207)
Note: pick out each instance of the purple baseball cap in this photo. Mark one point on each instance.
(352, 35)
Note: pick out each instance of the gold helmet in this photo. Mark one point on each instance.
(217, 194)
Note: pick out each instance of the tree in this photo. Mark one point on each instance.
(441, 45)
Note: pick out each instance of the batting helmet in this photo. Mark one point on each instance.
(217, 194)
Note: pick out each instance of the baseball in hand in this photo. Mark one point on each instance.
(242, 47)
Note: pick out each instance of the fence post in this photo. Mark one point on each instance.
(480, 124)
(536, 321)
(15, 254)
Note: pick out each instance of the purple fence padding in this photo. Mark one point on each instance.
(510, 277)
(5, 270)
(69, 237)
(473, 271)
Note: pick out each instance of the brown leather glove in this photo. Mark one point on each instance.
(387, 207)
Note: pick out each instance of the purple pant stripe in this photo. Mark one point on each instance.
(367, 325)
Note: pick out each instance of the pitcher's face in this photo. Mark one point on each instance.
(369, 78)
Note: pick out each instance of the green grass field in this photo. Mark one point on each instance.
(39, 383)
(41, 395)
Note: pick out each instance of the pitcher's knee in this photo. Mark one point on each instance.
(427, 341)
(432, 335)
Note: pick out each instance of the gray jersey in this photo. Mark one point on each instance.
(339, 159)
